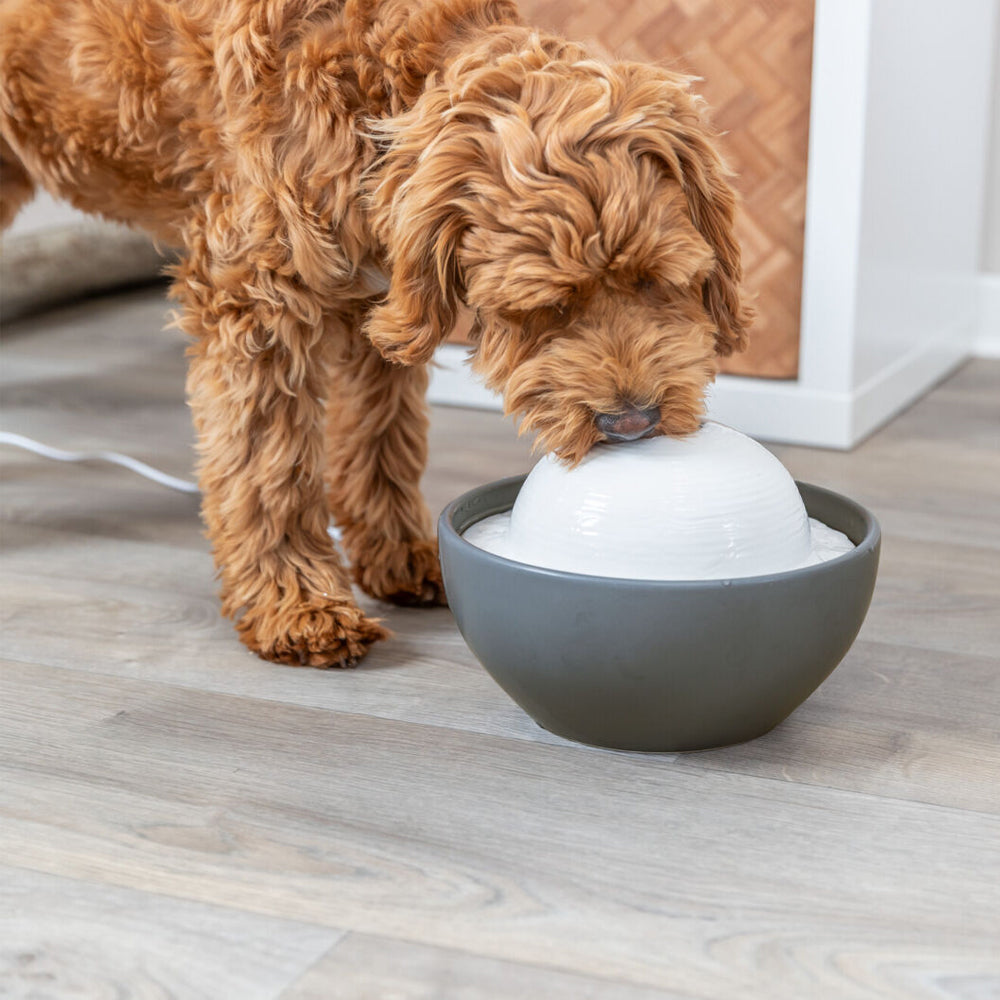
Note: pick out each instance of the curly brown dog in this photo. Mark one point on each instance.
(341, 175)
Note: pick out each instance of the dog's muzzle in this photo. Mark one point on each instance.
(629, 424)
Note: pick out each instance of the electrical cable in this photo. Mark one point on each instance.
(133, 464)
(57, 454)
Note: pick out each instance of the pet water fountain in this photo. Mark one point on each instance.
(669, 594)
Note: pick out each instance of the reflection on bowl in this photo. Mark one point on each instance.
(657, 665)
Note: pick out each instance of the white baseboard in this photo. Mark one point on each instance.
(782, 410)
(987, 344)
(787, 412)
(772, 410)
(897, 386)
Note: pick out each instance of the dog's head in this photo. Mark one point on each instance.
(580, 209)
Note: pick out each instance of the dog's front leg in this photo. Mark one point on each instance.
(377, 425)
(256, 386)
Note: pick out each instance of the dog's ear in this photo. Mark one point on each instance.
(416, 196)
(713, 209)
(674, 132)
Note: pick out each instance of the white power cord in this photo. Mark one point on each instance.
(172, 482)
(182, 485)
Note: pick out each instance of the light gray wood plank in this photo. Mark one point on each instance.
(938, 597)
(619, 866)
(118, 615)
(366, 967)
(890, 721)
(893, 719)
(62, 937)
(91, 338)
(104, 373)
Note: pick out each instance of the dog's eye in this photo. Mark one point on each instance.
(643, 283)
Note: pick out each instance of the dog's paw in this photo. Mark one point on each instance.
(322, 633)
(406, 573)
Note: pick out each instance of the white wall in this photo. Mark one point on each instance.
(926, 155)
(988, 343)
(991, 229)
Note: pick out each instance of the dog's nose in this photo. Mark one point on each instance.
(627, 424)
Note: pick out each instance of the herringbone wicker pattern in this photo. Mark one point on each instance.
(755, 61)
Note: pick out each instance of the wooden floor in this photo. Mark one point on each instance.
(182, 820)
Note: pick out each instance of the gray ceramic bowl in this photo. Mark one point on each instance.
(657, 665)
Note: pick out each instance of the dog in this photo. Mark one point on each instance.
(342, 176)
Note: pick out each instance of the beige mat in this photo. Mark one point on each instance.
(44, 268)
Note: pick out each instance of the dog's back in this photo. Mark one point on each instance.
(134, 109)
(110, 105)
(138, 110)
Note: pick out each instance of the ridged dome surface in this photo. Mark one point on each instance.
(713, 505)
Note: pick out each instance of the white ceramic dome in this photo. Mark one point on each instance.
(712, 505)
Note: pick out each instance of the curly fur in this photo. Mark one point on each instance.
(300, 151)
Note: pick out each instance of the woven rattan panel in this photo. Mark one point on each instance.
(755, 61)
